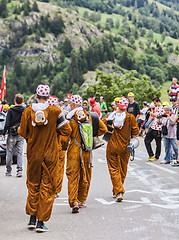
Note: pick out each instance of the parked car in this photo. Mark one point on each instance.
(3, 143)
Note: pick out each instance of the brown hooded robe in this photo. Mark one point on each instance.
(116, 153)
(79, 177)
(42, 157)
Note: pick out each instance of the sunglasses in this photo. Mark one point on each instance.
(173, 100)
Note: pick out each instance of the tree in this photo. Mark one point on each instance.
(57, 25)
(35, 7)
(3, 9)
(26, 8)
(67, 47)
(157, 74)
(150, 34)
(18, 67)
(127, 59)
(117, 23)
(132, 39)
(111, 86)
(109, 24)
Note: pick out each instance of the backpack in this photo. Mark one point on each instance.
(86, 132)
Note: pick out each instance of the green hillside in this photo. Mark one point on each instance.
(60, 41)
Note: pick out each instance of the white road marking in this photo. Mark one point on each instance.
(101, 200)
(168, 191)
(131, 201)
(132, 207)
(137, 158)
(161, 168)
(146, 201)
(136, 190)
(171, 206)
(170, 199)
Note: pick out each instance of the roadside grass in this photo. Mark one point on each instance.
(164, 94)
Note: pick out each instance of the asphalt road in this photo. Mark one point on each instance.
(150, 209)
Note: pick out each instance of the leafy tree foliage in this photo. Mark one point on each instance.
(111, 86)
(57, 25)
(3, 9)
(35, 7)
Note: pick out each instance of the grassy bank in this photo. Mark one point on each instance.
(164, 93)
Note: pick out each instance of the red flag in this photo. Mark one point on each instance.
(3, 84)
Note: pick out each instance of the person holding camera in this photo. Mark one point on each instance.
(154, 131)
(14, 140)
(169, 133)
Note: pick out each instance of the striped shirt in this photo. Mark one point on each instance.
(174, 90)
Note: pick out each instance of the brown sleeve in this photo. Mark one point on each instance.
(65, 130)
(102, 128)
(134, 126)
(104, 120)
(23, 128)
(64, 142)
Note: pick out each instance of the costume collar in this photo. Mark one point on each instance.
(111, 116)
(40, 106)
(71, 114)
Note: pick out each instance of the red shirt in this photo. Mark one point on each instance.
(96, 109)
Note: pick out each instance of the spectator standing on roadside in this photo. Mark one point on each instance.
(114, 106)
(116, 100)
(61, 103)
(154, 131)
(95, 107)
(174, 89)
(133, 106)
(175, 163)
(173, 101)
(2, 104)
(103, 106)
(5, 109)
(66, 105)
(170, 139)
(14, 140)
(85, 105)
(142, 114)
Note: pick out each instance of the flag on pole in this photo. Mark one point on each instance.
(3, 84)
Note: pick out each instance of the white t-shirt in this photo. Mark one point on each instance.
(142, 116)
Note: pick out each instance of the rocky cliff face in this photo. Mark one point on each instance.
(38, 53)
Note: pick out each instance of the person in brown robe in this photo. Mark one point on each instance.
(54, 101)
(79, 162)
(62, 144)
(39, 125)
(125, 126)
